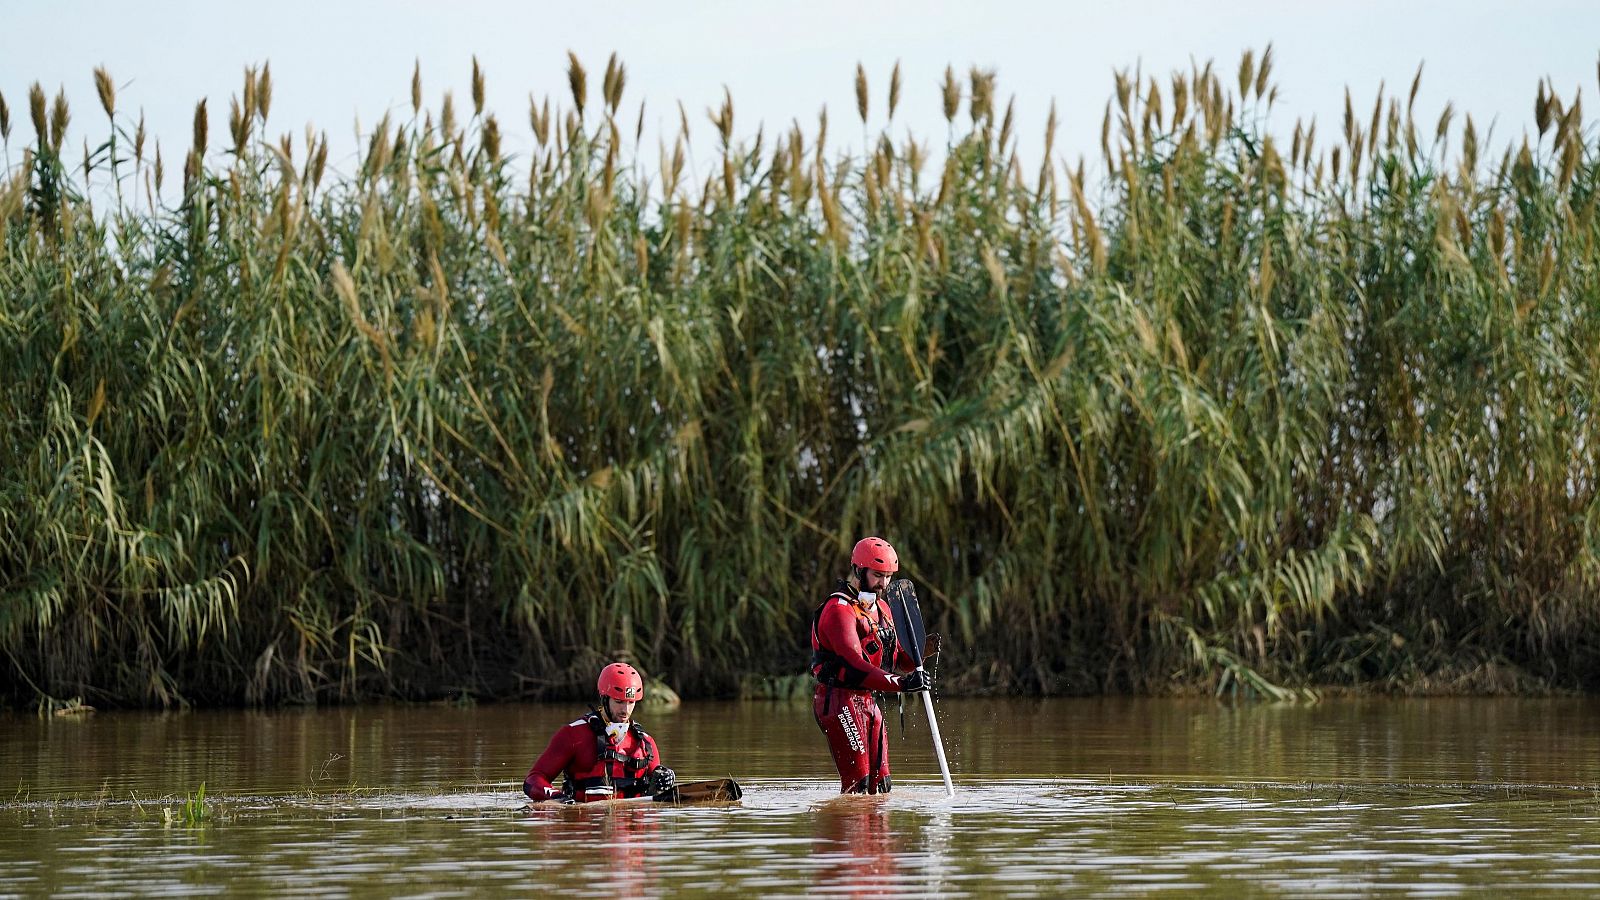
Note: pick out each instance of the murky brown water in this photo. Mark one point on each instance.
(1344, 798)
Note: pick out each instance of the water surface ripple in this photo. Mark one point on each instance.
(1088, 797)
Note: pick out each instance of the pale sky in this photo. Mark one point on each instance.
(339, 61)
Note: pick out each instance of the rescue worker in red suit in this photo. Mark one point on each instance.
(854, 652)
(605, 754)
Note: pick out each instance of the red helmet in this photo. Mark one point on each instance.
(620, 681)
(875, 553)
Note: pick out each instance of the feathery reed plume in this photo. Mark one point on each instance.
(491, 138)
(59, 118)
(861, 92)
(319, 162)
(238, 127)
(1264, 71)
(539, 121)
(477, 87)
(264, 92)
(107, 91)
(952, 94)
(981, 106)
(1469, 148)
(416, 86)
(1050, 124)
(200, 127)
(36, 110)
(616, 77)
(578, 81)
(248, 111)
(5, 119)
(723, 118)
(447, 117)
(894, 89)
(1246, 72)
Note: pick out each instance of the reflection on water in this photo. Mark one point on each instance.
(1105, 797)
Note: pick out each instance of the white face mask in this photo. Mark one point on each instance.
(615, 731)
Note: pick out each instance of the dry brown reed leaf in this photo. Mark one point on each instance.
(861, 92)
(894, 89)
(578, 81)
(638, 126)
(107, 91)
(951, 94)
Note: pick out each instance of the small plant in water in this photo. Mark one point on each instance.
(192, 814)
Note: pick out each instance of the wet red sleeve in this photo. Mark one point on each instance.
(837, 629)
(655, 757)
(540, 783)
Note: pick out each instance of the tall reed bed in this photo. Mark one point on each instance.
(1252, 412)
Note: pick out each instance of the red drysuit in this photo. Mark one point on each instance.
(850, 646)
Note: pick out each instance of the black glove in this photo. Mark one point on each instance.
(662, 779)
(916, 682)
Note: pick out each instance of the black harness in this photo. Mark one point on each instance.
(630, 784)
(834, 670)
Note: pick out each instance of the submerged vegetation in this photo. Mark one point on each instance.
(1252, 410)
